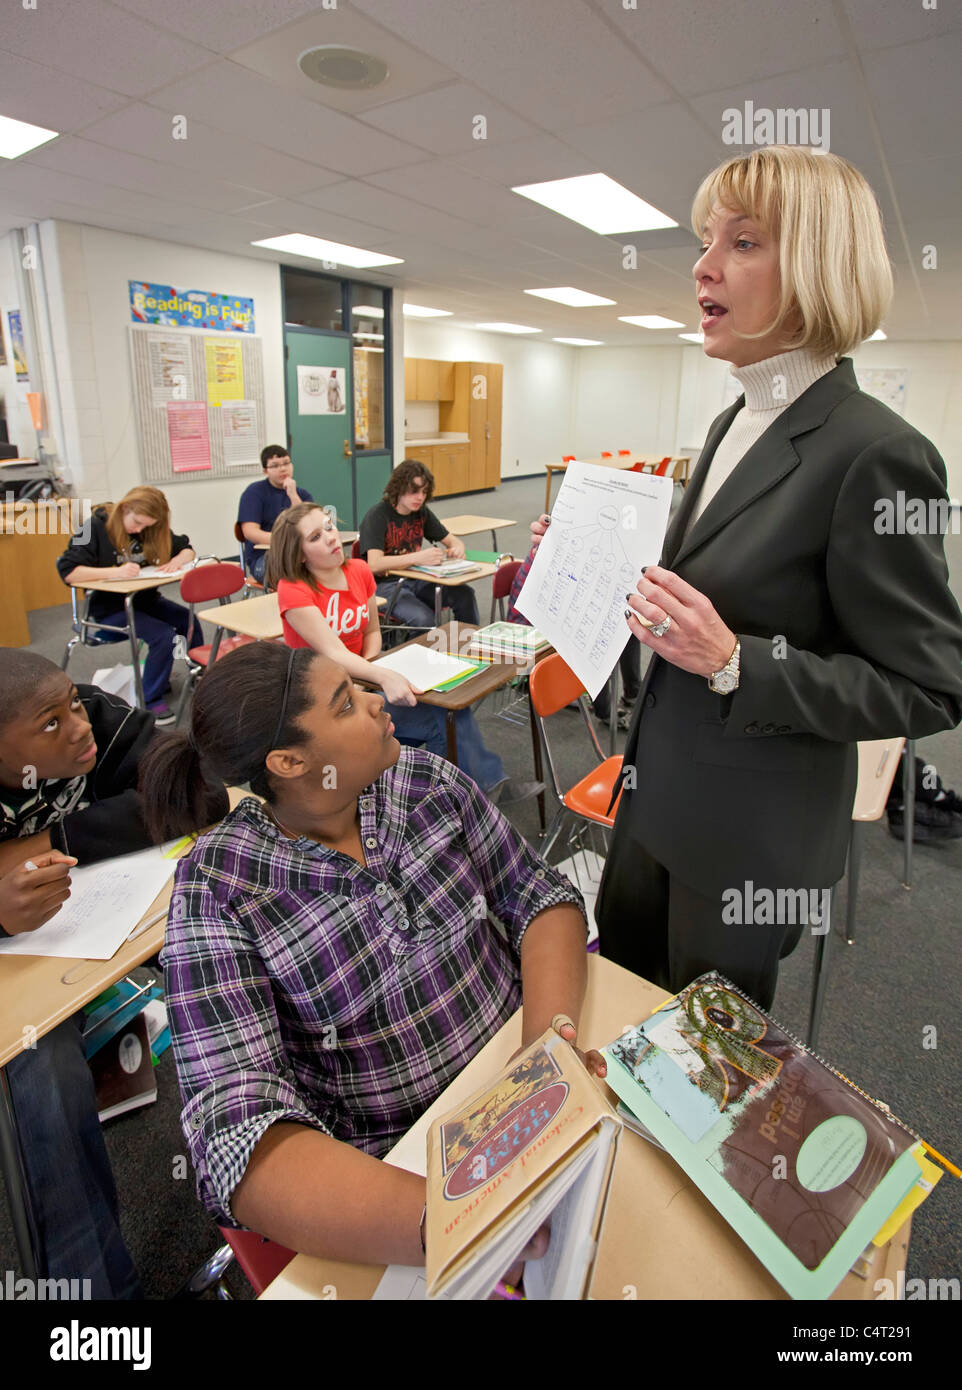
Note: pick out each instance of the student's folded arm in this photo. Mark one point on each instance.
(254, 533)
(371, 643)
(381, 563)
(901, 626)
(256, 1139)
(313, 627)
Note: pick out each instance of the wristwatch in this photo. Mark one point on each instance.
(723, 682)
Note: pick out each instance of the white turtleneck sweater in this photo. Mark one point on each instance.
(770, 387)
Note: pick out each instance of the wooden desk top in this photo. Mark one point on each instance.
(250, 617)
(878, 761)
(493, 677)
(129, 586)
(347, 538)
(469, 523)
(661, 1237)
(482, 570)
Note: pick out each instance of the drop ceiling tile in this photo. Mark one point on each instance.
(220, 25)
(101, 164)
(883, 23)
(447, 187)
(915, 93)
(242, 104)
(929, 188)
(109, 47)
(546, 59)
(148, 131)
(537, 160)
(298, 217)
(450, 119)
(34, 92)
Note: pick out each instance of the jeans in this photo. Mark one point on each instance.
(68, 1172)
(157, 620)
(415, 603)
(426, 724)
(257, 565)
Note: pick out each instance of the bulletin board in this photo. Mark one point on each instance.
(200, 403)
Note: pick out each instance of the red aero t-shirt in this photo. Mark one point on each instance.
(344, 610)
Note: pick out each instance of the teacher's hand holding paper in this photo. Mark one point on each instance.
(696, 640)
(33, 893)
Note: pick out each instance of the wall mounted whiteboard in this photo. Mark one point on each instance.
(200, 403)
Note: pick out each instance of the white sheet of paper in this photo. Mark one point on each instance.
(106, 902)
(606, 524)
(425, 667)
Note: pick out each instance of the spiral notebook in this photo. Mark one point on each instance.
(805, 1167)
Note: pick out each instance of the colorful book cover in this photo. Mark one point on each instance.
(804, 1166)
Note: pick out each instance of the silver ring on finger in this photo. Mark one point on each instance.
(659, 629)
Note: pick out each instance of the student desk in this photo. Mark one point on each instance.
(482, 570)
(128, 588)
(661, 1239)
(470, 525)
(680, 468)
(347, 538)
(257, 617)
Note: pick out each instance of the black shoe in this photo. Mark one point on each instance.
(931, 823)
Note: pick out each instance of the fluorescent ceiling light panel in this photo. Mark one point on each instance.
(575, 299)
(368, 311)
(17, 137)
(877, 337)
(692, 337)
(317, 249)
(419, 311)
(598, 203)
(580, 342)
(649, 321)
(507, 328)
(378, 337)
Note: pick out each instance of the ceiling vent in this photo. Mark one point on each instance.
(348, 69)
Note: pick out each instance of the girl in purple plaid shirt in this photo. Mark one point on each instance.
(339, 951)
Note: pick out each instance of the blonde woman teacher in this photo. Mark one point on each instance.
(787, 624)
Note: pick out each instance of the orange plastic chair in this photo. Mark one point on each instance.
(661, 469)
(552, 686)
(260, 1259)
(567, 458)
(624, 453)
(606, 454)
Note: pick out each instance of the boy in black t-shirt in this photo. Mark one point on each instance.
(391, 536)
(69, 759)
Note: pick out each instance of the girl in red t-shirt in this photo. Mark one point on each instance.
(328, 603)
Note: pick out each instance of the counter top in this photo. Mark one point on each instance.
(437, 439)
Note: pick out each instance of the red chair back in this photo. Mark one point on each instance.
(260, 1259)
(606, 454)
(624, 453)
(662, 467)
(503, 578)
(209, 582)
(567, 458)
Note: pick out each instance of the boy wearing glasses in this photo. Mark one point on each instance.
(262, 503)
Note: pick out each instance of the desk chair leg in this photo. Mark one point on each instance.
(437, 605)
(854, 869)
(451, 730)
(538, 762)
(613, 711)
(553, 834)
(820, 977)
(69, 652)
(18, 1195)
(135, 652)
(908, 793)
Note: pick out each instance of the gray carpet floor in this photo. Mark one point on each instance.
(899, 978)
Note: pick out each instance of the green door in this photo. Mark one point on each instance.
(319, 417)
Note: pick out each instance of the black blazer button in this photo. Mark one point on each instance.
(751, 728)
(768, 729)
(650, 701)
(784, 729)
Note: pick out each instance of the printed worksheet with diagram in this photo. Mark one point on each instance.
(605, 525)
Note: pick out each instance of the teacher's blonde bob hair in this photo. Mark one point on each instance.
(835, 271)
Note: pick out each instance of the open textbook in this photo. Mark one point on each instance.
(536, 1144)
(805, 1167)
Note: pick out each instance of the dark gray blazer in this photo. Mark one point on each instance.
(759, 784)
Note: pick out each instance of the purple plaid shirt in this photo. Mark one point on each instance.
(301, 986)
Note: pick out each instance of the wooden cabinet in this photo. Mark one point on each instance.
(469, 395)
(429, 379)
(446, 381)
(410, 378)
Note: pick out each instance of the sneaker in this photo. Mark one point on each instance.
(163, 714)
(507, 792)
(931, 823)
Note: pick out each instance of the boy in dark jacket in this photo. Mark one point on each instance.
(68, 777)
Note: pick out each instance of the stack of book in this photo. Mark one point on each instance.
(447, 569)
(507, 642)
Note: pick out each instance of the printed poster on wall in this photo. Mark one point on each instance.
(887, 384)
(171, 370)
(175, 308)
(238, 421)
(3, 350)
(321, 391)
(189, 435)
(17, 345)
(225, 371)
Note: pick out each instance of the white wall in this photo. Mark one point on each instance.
(538, 391)
(88, 269)
(626, 398)
(933, 398)
(13, 393)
